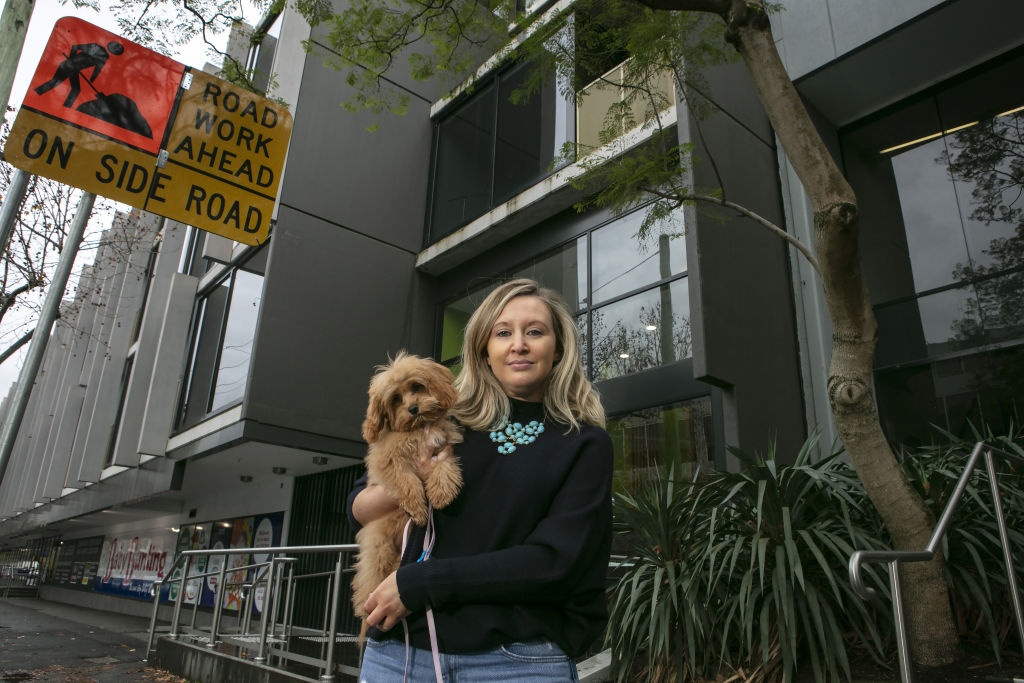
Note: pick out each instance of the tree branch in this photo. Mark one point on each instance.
(744, 211)
(13, 348)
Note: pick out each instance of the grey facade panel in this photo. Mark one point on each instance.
(54, 365)
(932, 47)
(334, 306)
(71, 412)
(125, 307)
(126, 451)
(374, 183)
(173, 320)
(86, 466)
(743, 303)
(72, 395)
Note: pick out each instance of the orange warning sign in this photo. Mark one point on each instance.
(100, 82)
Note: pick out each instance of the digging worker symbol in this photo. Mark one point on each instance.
(117, 109)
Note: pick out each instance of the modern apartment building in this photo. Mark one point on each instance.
(234, 415)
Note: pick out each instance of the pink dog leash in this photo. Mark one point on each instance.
(428, 548)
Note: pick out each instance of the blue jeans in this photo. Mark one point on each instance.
(532, 662)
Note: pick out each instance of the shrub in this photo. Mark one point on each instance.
(745, 573)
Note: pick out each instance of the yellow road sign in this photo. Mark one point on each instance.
(151, 133)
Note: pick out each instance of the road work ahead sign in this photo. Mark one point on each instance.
(114, 118)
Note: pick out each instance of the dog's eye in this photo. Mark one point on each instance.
(417, 387)
(396, 399)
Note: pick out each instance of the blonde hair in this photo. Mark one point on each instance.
(570, 397)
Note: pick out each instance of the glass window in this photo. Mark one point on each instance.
(453, 325)
(222, 335)
(623, 263)
(126, 375)
(985, 162)
(935, 237)
(526, 139)
(144, 297)
(651, 442)
(564, 270)
(207, 326)
(926, 326)
(939, 181)
(643, 331)
(647, 326)
(495, 145)
(462, 178)
(233, 369)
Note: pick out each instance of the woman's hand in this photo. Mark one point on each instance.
(384, 607)
(430, 456)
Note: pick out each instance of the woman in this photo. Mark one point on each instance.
(517, 575)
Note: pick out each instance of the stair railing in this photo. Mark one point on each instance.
(892, 558)
(278, 602)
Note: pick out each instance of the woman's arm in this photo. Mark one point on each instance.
(368, 502)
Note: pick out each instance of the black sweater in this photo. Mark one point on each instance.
(522, 553)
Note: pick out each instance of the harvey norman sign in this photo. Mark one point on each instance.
(111, 117)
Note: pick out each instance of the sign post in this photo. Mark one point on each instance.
(111, 117)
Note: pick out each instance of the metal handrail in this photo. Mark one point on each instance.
(894, 557)
(272, 578)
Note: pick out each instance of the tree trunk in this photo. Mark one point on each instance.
(933, 638)
(13, 29)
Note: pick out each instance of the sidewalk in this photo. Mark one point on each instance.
(53, 641)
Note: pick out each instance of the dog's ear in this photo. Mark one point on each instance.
(376, 409)
(441, 383)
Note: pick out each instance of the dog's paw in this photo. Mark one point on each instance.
(444, 485)
(417, 511)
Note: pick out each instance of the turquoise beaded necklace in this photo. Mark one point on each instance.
(508, 436)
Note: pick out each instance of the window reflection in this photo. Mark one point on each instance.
(643, 331)
(648, 329)
(236, 351)
(462, 182)
(220, 347)
(210, 312)
(678, 437)
(496, 144)
(623, 263)
(942, 197)
(932, 325)
(935, 238)
(564, 271)
(958, 395)
(984, 161)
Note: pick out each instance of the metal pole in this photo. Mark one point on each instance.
(152, 619)
(327, 613)
(1004, 537)
(218, 596)
(176, 617)
(332, 630)
(247, 591)
(261, 654)
(12, 205)
(27, 376)
(902, 646)
(289, 603)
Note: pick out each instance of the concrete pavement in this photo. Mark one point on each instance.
(58, 642)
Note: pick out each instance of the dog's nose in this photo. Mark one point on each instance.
(414, 409)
